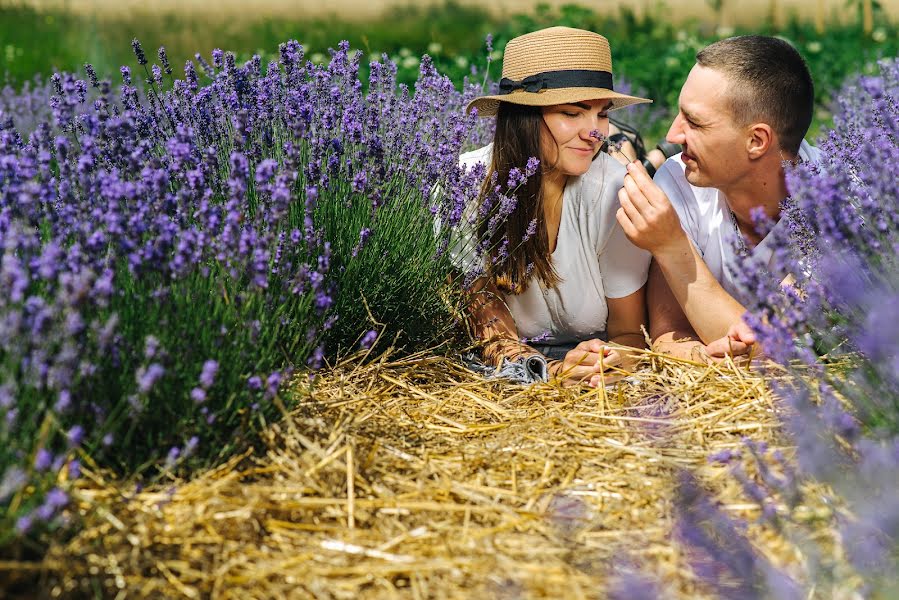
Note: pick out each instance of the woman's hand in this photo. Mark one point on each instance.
(585, 363)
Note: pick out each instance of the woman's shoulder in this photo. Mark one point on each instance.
(479, 156)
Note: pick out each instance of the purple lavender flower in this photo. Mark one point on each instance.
(317, 358)
(56, 498)
(198, 395)
(629, 584)
(151, 347)
(368, 339)
(185, 204)
(24, 524)
(272, 383)
(75, 436)
(207, 375)
(138, 52)
(164, 59)
(63, 402)
(43, 459)
(172, 457)
(718, 551)
(92, 75)
(148, 376)
(13, 480)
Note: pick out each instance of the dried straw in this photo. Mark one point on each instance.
(415, 478)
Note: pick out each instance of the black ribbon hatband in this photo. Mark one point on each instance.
(557, 79)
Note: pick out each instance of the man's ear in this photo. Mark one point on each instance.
(760, 140)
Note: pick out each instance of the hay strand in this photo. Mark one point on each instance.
(415, 478)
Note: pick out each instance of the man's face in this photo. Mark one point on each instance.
(714, 146)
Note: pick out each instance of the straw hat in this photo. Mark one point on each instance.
(558, 65)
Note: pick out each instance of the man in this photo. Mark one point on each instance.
(742, 115)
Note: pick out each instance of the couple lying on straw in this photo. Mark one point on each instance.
(598, 244)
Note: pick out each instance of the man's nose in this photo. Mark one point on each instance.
(675, 133)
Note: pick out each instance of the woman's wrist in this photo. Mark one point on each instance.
(497, 349)
(552, 367)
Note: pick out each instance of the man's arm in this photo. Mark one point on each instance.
(669, 329)
(672, 334)
(706, 305)
(651, 222)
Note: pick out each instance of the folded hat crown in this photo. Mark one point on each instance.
(556, 49)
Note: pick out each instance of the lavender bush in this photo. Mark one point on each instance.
(171, 253)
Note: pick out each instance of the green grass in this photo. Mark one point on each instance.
(654, 55)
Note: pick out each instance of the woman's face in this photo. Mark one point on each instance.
(566, 142)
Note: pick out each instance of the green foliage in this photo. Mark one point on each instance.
(652, 53)
(393, 282)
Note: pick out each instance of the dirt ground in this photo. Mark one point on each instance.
(733, 12)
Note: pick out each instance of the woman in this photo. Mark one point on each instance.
(559, 269)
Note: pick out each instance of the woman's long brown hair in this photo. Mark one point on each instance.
(517, 138)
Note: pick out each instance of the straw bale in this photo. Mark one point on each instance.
(415, 478)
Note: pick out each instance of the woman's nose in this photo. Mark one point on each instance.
(593, 125)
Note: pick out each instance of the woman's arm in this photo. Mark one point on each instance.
(492, 323)
(627, 318)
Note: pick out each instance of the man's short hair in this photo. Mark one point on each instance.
(769, 83)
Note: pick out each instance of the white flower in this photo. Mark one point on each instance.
(435, 48)
(879, 35)
(461, 62)
(724, 31)
(410, 62)
(814, 47)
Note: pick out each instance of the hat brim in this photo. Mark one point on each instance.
(488, 105)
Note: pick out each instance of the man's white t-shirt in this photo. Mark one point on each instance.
(593, 259)
(706, 218)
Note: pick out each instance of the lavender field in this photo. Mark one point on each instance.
(185, 246)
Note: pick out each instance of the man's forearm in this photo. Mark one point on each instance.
(689, 349)
(707, 305)
(633, 340)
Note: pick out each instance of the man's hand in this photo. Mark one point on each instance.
(739, 341)
(585, 363)
(646, 215)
